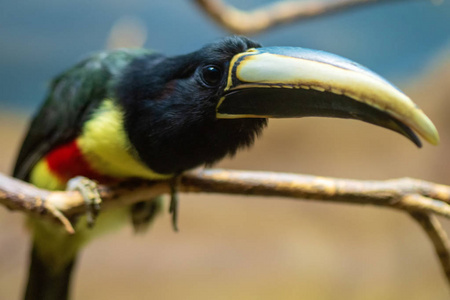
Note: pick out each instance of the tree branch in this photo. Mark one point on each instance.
(417, 197)
(407, 194)
(438, 237)
(261, 19)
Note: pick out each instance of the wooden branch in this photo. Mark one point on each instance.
(407, 194)
(283, 12)
(438, 237)
(417, 197)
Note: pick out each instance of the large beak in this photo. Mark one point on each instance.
(286, 82)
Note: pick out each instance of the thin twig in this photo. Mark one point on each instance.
(283, 12)
(438, 237)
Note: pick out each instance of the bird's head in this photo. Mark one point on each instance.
(188, 110)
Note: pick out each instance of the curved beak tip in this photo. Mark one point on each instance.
(433, 138)
(425, 127)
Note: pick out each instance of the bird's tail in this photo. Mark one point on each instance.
(46, 284)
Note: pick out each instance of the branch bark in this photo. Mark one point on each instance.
(407, 194)
(419, 198)
(283, 12)
(430, 224)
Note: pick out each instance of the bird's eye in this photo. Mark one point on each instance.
(211, 75)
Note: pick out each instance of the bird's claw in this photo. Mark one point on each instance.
(173, 208)
(143, 213)
(91, 196)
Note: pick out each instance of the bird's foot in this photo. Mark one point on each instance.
(91, 196)
(173, 208)
(143, 213)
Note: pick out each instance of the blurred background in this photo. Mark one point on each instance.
(242, 247)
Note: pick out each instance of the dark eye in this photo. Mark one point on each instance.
(212, 75)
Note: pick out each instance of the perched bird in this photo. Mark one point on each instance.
(140, 114)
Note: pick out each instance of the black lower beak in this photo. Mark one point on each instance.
(259, 103)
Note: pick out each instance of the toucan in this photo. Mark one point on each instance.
(134, 113)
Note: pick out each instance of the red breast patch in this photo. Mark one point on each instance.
(67, 161)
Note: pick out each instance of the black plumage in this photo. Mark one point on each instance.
(171, 118)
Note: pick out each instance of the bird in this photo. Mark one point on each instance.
(135, 113)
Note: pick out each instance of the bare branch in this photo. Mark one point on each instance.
(405, 194)
(419, 198)
(18, 195)
(438, 237)
(261, 19)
